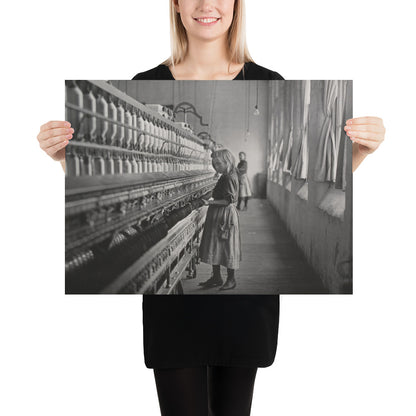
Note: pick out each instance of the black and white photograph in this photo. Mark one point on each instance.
(208, 187)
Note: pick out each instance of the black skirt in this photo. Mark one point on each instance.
(194, 330)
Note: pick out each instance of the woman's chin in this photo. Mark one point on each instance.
(207, 34)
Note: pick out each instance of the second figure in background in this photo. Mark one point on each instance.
(245, 189)
(221, 241)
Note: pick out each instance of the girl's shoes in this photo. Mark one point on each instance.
(212, 282)
(229, 284)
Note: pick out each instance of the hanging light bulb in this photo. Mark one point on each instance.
(256, 107)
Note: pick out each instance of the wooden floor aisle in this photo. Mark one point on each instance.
(272, 262)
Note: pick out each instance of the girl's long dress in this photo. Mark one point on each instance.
(213, 249)
(226, 329)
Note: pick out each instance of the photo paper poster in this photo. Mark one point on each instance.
(208, 187)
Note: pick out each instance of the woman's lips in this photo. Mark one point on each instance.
(207, 21)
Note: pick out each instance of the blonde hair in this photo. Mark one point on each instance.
(236, 40)
(226, 157)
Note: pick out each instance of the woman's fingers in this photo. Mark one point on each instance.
(55, 132)
(366, 135)
(53, 137)
(376, 128)
(54, 124)
(364, 120)
(46, 144)
(368, 132)
(51, 151)
(54, 129)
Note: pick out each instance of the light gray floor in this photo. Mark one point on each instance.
(272, 262)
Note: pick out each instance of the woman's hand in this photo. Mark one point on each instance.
(205, 201)
(367, 133)
(53, 137)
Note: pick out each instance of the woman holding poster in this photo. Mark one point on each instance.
(205, 350)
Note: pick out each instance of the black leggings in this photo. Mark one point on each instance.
(205, 391)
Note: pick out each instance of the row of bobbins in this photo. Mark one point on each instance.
(124, 138)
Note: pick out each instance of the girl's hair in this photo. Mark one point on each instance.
(237, 44)
(226, 157)
(242, 153)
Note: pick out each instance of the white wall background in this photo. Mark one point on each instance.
(83, 355)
